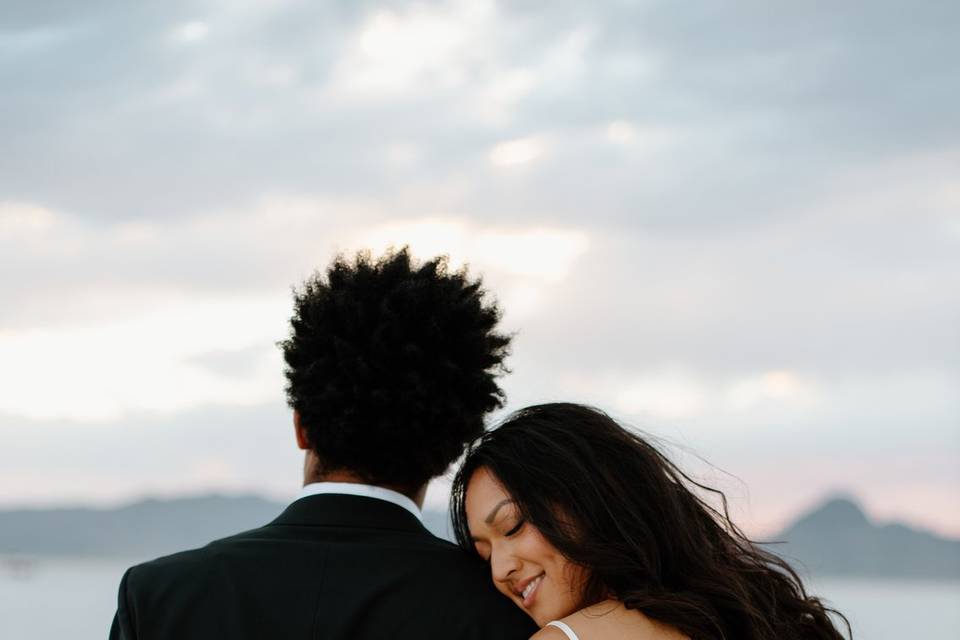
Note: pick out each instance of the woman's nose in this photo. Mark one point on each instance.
(503, 565)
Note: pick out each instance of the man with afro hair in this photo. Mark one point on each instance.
(391, 369)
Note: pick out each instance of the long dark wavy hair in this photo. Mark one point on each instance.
(616, 507)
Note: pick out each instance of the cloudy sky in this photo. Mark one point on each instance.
(735, 227)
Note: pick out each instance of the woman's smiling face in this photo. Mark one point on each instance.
(524, 566)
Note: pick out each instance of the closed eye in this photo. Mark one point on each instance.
(516, 527)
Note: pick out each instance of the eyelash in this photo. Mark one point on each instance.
(516, 528)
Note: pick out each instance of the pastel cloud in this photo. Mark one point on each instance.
(137, 339)
(191, 32)
(748, 241)
(420, 47)
(141, 362)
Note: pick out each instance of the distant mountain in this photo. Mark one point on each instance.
(834, 539)
(144, 529)
(837, 539)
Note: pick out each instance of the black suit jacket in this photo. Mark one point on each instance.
(330, 567)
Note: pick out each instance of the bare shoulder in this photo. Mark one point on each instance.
(610, 619)
(549, 633)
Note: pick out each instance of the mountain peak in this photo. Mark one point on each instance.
(839, 512)
(836, 538)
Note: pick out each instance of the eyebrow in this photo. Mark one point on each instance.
(493, 512)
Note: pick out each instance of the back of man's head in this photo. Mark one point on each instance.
(392, 366)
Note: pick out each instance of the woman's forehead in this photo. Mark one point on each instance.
(484, 491)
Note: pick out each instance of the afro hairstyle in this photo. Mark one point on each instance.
(392, 366)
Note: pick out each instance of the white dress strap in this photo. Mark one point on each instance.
(563, 626)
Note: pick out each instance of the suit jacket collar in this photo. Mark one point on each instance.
(338, 510)
(357, 489)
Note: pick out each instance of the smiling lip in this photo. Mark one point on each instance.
(529, 591)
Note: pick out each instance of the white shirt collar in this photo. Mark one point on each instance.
(366, 490)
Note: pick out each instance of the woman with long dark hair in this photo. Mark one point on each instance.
(596, 534)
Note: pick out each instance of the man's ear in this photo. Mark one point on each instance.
(302, 441)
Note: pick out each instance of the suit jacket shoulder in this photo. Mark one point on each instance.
(329, 567)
